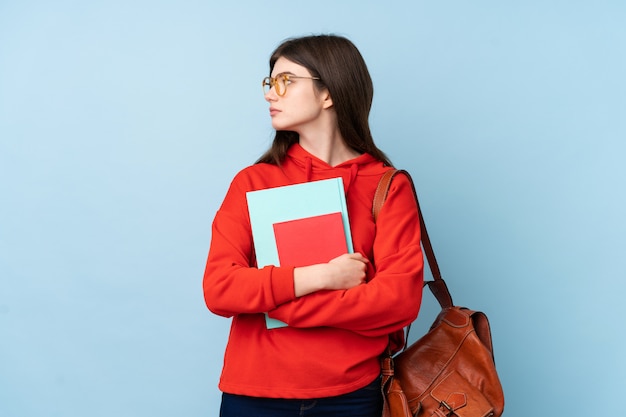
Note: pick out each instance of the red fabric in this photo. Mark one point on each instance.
(334, 338)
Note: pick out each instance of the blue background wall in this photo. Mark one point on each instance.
(122, 123)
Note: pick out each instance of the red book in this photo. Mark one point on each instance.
(310, 240)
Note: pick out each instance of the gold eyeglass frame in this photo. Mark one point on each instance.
(273, 82)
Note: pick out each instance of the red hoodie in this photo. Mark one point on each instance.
(335, 338)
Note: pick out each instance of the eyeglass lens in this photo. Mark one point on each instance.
(278, 83)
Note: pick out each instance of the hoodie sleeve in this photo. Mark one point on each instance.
(391, 299)
(232, 283)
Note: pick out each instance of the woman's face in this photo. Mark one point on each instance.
(301, 105)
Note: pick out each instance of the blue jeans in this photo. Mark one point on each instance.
(365, 402)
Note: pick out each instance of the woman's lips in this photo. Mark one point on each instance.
(273, 111)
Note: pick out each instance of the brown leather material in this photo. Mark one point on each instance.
(381, 192)
(450, 371)
(396, 401)
(438, 286)
(451, 361)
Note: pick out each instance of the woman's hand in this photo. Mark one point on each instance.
(346, 271)
(342, 273)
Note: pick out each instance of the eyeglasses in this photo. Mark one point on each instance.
(280, 83)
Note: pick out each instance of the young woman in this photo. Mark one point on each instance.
(341, 315)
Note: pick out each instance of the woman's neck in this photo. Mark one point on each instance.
(328, 146)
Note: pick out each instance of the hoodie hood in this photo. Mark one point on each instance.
(312, 168)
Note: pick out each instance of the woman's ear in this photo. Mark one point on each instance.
(327, 100)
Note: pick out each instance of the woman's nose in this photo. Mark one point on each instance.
(271, 95)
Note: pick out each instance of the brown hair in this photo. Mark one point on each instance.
(342, 70)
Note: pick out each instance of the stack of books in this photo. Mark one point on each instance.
(299, 225)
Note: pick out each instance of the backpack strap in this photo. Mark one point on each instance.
(437, 286)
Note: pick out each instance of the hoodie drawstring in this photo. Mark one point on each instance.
(308, 168)
(354, 169)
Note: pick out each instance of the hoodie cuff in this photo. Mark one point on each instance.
(282, 284)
